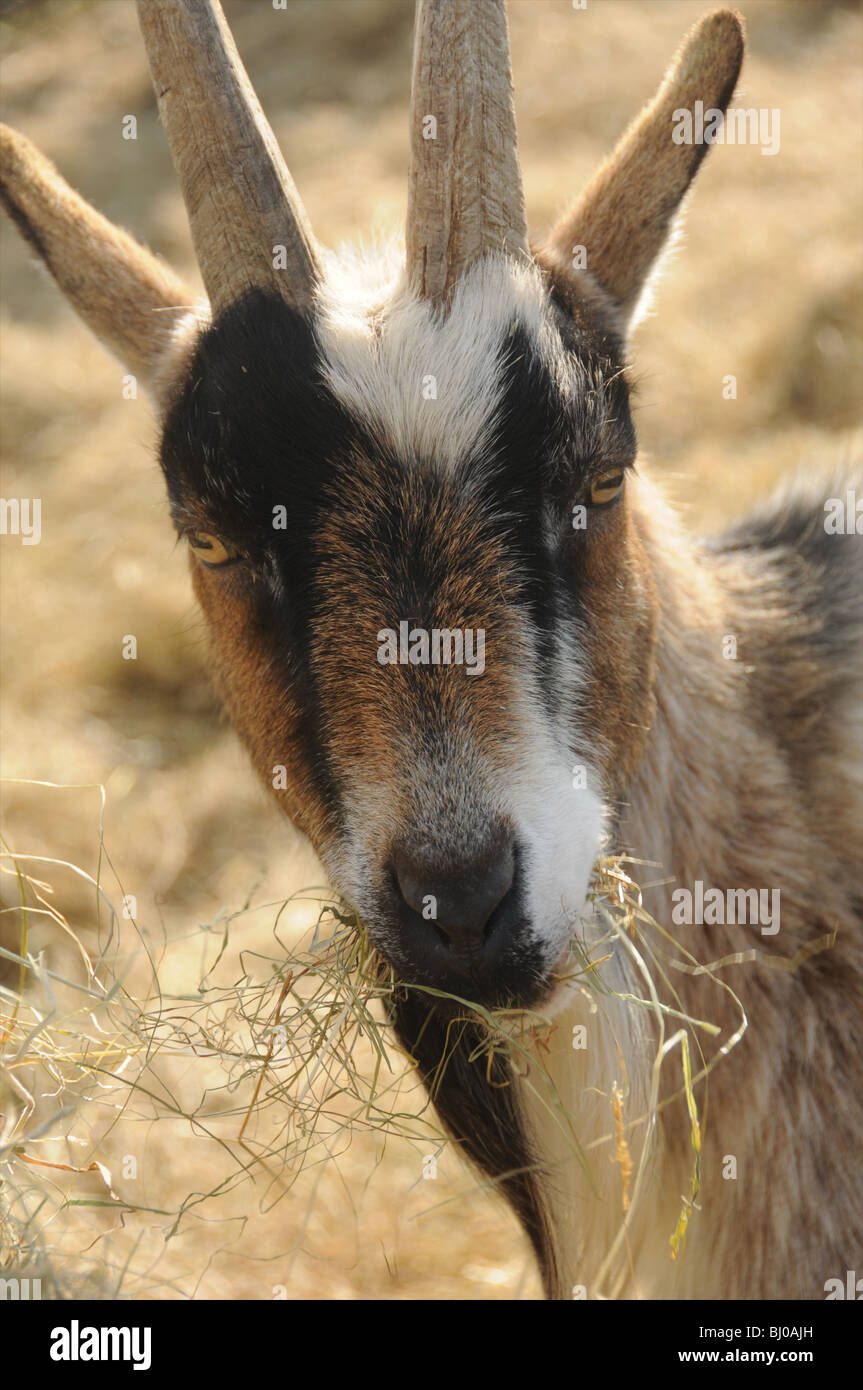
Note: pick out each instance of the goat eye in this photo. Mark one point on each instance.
(605, 489)
(210, 549)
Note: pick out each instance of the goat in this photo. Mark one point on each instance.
(354, 451)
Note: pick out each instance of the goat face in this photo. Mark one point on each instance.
(409, 472)
(348, 465)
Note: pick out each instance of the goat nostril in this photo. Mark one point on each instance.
(460, 901)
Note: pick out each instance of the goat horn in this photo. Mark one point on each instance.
(241, 201)
(464, 193)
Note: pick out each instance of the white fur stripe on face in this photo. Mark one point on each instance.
(426, 385)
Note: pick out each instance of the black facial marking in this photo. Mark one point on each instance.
(546, 449)
(254, 429)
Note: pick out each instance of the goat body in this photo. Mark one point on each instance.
(359, 448)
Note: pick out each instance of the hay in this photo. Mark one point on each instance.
(293, 1054)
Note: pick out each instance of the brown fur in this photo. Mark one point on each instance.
(741, 773)
(727, 792)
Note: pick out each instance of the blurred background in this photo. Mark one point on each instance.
(765, 286)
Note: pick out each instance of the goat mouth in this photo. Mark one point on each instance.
(513, 985)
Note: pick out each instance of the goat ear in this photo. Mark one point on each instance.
(131, 301)
(625, 215)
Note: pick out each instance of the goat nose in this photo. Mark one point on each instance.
(460, 899)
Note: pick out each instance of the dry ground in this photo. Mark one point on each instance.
(766, 285)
